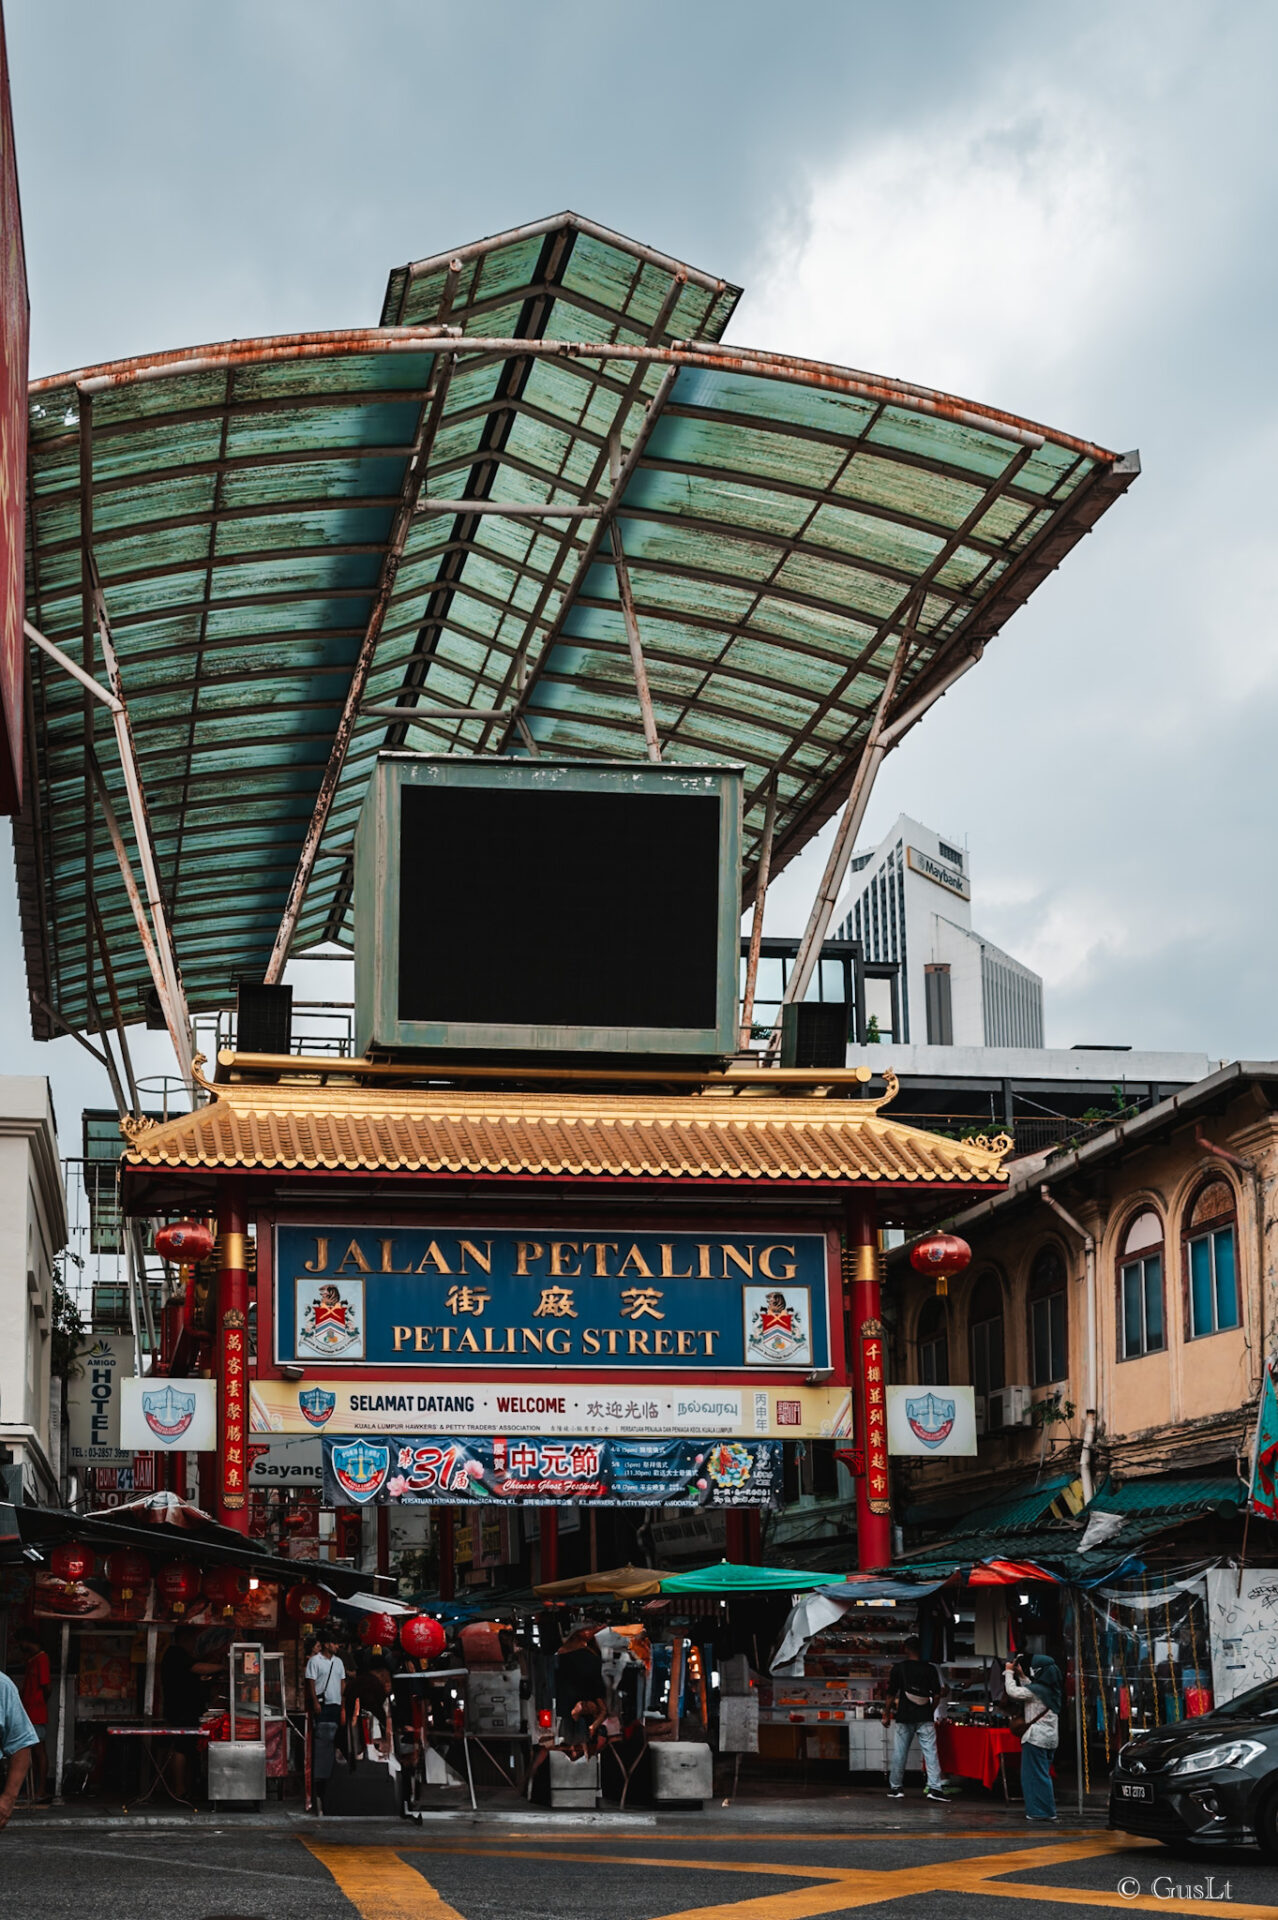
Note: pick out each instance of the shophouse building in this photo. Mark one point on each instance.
(33, 1231)
(1121, 1301)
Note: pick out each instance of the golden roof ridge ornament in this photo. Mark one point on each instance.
(891, 1087)
(199, 1060)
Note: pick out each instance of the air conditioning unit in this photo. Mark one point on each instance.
(979, 1403)
(1010, 1407)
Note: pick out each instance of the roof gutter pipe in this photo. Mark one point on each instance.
(1089, 1412)
(1248, 1170)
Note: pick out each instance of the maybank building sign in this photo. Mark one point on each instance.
(496, 1298)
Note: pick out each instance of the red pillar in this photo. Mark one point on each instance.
(232, 1358)
(863, 1298)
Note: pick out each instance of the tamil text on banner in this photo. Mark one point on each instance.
(444, 1470)
(474, 1298)
(1262, 1497)
(621, 1410)
(931, 1420)
(169, 1416)
(93, 1402)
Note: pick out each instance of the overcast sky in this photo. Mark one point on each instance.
(1066, 212)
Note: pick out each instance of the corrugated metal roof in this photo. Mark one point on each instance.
(255, 515)
(1161, 1496)
(372, 1129)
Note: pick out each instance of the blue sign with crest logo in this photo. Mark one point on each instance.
(489, 1297)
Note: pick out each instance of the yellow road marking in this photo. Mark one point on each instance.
(381, 1886)
(632, 1860)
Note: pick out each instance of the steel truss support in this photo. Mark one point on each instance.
(882, 738)
(626, 595)
(428, 424)
(756, 921)
(155, 934)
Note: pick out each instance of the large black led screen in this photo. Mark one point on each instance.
(558, 908)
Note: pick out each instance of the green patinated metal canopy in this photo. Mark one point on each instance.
(290, 532)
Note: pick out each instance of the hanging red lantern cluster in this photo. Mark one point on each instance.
(378, 1631)
(184, 1242)
(941, 1254)
(227, 1588)
(178, 1584)
(422, 1637)
(307, 1605)
(71, 1562)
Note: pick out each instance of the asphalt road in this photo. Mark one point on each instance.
(741, 1863)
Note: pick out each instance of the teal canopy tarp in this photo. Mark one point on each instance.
(727, 1578)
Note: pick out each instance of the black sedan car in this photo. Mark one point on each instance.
(1212, 1781)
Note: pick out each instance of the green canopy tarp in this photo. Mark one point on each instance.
(728, 1578)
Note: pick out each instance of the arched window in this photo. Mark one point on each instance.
(1141, 1320)
(1211, 1260)
(1049, 1320)
(934, 1345)
(985, 1323)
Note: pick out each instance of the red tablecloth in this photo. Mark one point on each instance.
(973, 1752)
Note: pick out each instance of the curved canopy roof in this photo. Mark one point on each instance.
(289, 532)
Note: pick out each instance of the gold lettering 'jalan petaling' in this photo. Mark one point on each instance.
(563, 1259)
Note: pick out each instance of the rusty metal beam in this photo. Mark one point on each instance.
(756, 920)
(744, 360)
(510, 510)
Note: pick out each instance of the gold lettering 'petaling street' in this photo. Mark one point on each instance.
(559, 1259)
(649, 1343)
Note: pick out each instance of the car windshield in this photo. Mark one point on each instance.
(1258, 1703)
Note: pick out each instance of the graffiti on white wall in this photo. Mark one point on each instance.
(1244, 1630)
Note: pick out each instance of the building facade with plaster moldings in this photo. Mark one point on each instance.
(1119, 1304)
(33, 1231)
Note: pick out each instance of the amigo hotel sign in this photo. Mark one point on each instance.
(471, 1298)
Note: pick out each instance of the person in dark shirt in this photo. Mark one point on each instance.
(184, 1685)
(914, 1688)
(579, 1687)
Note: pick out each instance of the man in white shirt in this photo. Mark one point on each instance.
(325, 1686)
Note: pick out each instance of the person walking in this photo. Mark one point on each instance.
(325, 1687)
(914, 1690)
(1041, 1688)
(17, 1739)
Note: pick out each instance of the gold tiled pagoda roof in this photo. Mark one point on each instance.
(742, 1139)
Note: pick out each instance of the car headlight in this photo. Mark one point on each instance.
(1235, 1753)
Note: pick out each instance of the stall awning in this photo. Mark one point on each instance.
(618, 1583)
(815, 1611)
(212, 1546)
(727, 1578)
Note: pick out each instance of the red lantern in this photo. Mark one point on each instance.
(941, 1254)
(422, 1637)
(307, 1605)
(71, 1562)
(226, 1587)
(184, 1242)
(178, 1583)
(378, 1630)
(129, 1572)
